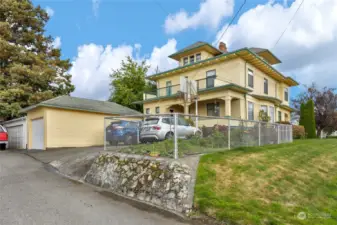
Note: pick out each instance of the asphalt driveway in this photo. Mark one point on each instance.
(29, 194)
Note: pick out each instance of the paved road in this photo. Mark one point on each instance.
(31, 195)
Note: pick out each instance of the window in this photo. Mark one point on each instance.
(157, 110)
(213, 109)
(264, 108)
(185, 61)
(168, 120)
(286, 117)
(250, 78)
(147, 111)
(210, 77)
(279, 116)
(168, 88)
(271, 114)
(250, 111)
(197, 57)
(192, 59)
(286, 94)
(182, 121)
(265, 86)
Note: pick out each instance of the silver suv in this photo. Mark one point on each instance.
(158, 128)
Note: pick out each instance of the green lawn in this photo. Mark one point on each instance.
(270, 184)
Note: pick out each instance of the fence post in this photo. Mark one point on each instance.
(104, 128)
(291, 133)
(259, 133)
(175, 136)
(278, 134)
(229, 133)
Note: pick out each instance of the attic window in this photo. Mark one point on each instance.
(185, 61)
(198, 57)
(192, 59)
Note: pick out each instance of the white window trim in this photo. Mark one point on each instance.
(252, 109)
(250, 73)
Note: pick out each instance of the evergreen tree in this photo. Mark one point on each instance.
(31, 70)
(302, 108)
(310, 119)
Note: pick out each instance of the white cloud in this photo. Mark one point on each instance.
(210, 14)
(57, 42)
(159, 59)
(308, 48)
(95, 6)
(93, 64)
(50, 11)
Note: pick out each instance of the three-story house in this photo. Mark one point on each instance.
(237, 84)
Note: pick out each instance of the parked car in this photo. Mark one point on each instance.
(3, 138)
(159, 128)
(123, 131)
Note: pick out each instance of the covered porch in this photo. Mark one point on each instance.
(233, 107)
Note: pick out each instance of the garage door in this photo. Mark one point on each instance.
(37, 134)
(15, 137)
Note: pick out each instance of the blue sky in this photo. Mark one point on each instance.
(97, 34)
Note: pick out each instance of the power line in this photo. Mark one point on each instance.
(288, 24)
(160, 6)
(230, 23)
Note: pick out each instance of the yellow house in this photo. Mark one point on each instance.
(237, 84)
(69, 122)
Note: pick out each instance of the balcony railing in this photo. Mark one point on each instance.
(209, 82)
(202, 84)
(163, 92)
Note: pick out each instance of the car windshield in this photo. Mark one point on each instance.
(119, 123)
(1, 129)
(151, 121)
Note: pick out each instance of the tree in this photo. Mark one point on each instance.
(31, 70)
(128, 84)
(325, 105)
(302, 108)
(309, 119)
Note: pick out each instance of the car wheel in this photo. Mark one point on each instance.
(169, 135)
(128, 140)
(3, 147)
(198, 134)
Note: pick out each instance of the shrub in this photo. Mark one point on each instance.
(190, 121)
(298, 132)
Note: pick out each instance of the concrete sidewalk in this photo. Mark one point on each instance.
(50, 155)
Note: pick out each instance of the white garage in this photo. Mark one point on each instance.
(17, 133)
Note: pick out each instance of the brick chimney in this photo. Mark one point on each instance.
(223, 47)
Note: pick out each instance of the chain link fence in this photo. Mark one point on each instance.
(177, 135)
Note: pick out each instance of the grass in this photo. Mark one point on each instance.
(270, 184)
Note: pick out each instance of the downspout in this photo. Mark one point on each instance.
(246, 112)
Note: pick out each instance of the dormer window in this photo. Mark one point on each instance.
(185, 61)
(198, 57)
(192, 59)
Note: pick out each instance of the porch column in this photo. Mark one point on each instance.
(186, 108)
(243, 111)
(228, 106)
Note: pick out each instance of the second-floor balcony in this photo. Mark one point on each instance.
(201, 85)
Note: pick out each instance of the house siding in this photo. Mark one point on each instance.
(68, 128)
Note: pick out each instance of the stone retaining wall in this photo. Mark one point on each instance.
(166, 183)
